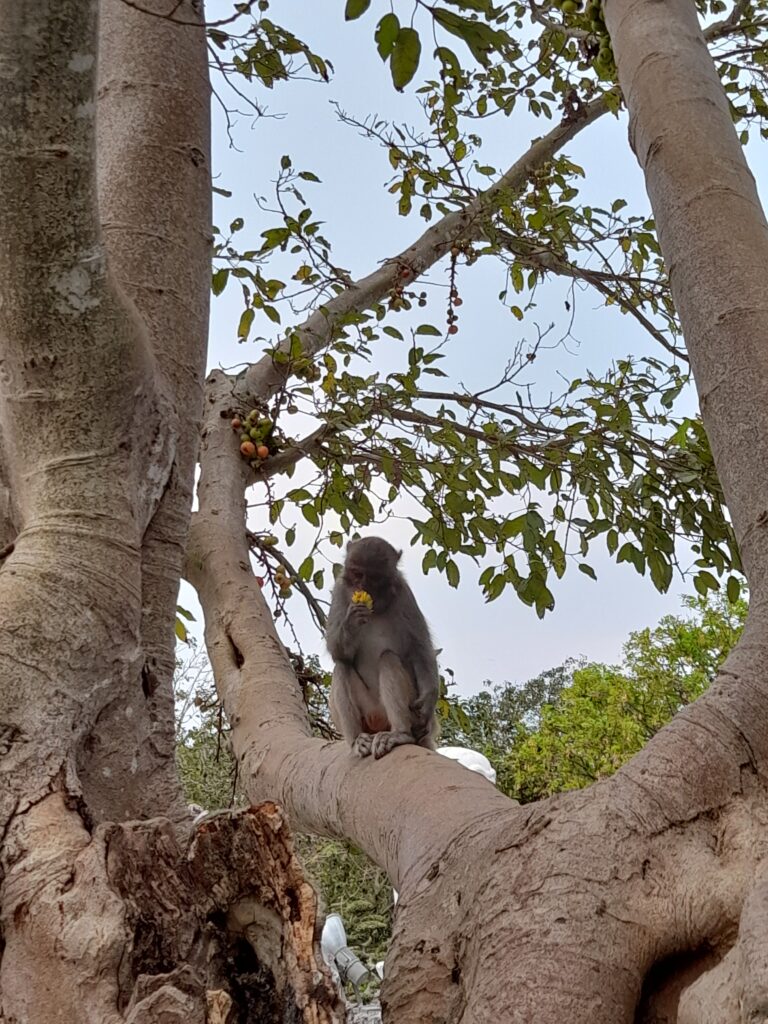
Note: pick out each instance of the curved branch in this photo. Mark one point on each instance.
(296, 451)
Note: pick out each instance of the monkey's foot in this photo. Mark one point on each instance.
(362, 744)
(383, 742)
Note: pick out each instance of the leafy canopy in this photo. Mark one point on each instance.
(513, 477)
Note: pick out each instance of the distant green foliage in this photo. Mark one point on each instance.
(351, 885)
(580, 722)
(205, 763)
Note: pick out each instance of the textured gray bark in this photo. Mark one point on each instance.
(102, 348)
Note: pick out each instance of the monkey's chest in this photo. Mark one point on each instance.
(377, 638)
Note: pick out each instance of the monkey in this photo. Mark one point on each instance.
(385, 681)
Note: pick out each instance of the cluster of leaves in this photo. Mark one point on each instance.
(265, 52)
(297, 233)
(482, 30)
(525, 491)
(581, 722)
(522, 485)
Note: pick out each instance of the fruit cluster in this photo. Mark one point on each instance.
(256, 436)
(593, 13)
(459, 248)
(282, 581)
(362, 597)
(597, 48)
(399, 296)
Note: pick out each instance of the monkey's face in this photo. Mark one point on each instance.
(371, 565)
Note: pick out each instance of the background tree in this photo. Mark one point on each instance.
(103, 280)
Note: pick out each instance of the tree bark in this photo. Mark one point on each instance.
(102, 346)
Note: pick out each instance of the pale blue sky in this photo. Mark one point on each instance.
(503, 640)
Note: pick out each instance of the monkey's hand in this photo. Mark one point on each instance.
(358, 615)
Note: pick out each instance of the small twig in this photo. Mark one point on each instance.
(314, 605)
(170, 15)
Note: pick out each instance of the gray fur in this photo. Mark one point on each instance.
(385, 679)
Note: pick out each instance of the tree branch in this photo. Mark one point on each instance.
(296, 451)
(298, 582)
(547, 261)
(265, 376)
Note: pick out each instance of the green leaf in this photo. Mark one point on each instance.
(428, 329)
(452, 572)
(386, 34)
(219, 282)
(244, 327)
(661, 571)
(188, 615)
(479, 37)
(704, 581)
(310, 514)
(181, 631)
(733, 589)
(406, 54)
(355, 8)
(587, 570)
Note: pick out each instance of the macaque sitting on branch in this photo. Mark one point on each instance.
(385, 680)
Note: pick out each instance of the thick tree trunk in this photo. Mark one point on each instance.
(102, 349)
(714, 237)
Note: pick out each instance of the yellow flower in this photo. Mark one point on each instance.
(362, 597)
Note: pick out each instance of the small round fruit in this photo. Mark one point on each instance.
(262, 451)
(453, 329)
(265, 423)
(244, 438)
(255, 434)
(458, 302)
(248, 449)
(237, 423)
(605, 56)
(269, 541)
(569, 7)
(260, 581)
